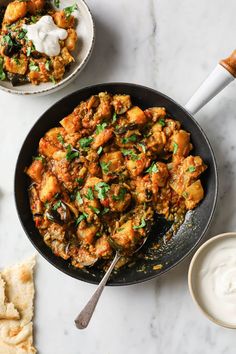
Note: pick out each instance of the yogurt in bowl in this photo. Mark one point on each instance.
(212, 279)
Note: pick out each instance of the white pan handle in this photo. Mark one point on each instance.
(222, 75)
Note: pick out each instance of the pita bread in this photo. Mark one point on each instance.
(16, 307)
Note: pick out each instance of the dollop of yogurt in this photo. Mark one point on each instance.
(45, 36)
(217, 280)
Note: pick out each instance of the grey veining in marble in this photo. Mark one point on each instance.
(171, 46)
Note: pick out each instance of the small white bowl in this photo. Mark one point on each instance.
(193, 276)
(86, 36)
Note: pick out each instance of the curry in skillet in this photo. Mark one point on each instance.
(100, 177)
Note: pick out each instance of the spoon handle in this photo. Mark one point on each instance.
(82, 320)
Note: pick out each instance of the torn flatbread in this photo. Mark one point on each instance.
(17, 294)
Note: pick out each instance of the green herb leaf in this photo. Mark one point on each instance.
(33, 19)
(52, 78)
(100, 127)
(16, 60)
(142, 146)
(6, 39)
(79, 180)
(33, 67)
(69, 10)
(60, 139)
(81, 217)
(131, 153)
(131, 138)
(2, 73)
(105, 167)
(28, 51)
(143, 224)
(162, 122)
(47, 65)
(105, 210)
(191, 169)
(85, 142)
(79, 198)
(95, 210)
(39, 158)
(102, 188)
(89, 194)
(121, 194)
(57, 3)
(57, 205)
(22, 33)
(176, 146)
(153, 168)
(99, 150)
(71, 153)
(114, 118)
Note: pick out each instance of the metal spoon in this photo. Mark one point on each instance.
(83, 319)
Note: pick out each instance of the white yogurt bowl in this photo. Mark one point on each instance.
(212, 279)
(86, 37)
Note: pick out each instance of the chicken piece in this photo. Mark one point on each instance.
(102, 247)
(16, 65)
(171, 126)
(86, 233)
(71, 39)
(102, 138)
(49, 187)
(180, 143)
(121, 103)
(119, 198)
(136, 116)
(35, 170)
(62, 20)
(111, 163)
(35, 6)
(137, 165)
(193, 194)
(14, 11)
(66, 56)
(104, 109)
(186, 173)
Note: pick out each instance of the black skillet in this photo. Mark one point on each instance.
(170, 253)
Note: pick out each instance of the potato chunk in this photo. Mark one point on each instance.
(125, 235)
(102, 247)
(86, 233)
(121, 103)
(193, 194)
(102, 138)
(35, 171)
(136, 116)
(119, 198)
(71, 123)
(71, 39)
(63, 21)
(14, 11)
(111, 164)
(49, 187)
(16, 65)
(180, 143)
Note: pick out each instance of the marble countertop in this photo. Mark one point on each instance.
(171, 46)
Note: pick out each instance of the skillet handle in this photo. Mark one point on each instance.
(223, 74)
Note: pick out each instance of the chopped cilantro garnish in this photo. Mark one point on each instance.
(143, 224)
(175, 147)
(57, 3)
(57, 205)
(114, 118)
(39, 158)
(2, 73)
(153, 168)
(105, 210)
(131, 138)
(102, 188)
(162, 122)
(89, 194)
(47, 65)
(100, 127)
(95, 210)
(79, 180)
(143, 147)
(79, 198)
(81, 217)
(69, 10)
(131, 153)
(71, 153)
(22, 33)
(99, 150)
(60, 139)
(105, 167)
(121, 195)
(33, 67)
(191, 169)
(85, 142)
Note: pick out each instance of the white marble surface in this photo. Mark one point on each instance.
(169, 45)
